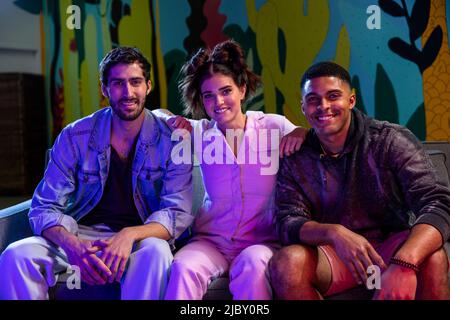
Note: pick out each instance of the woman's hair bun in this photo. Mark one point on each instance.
(229, 53)
(196, 61)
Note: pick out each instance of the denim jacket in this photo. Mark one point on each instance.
(75, 177)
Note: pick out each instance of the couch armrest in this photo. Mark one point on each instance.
(14, 224)
(444, 147)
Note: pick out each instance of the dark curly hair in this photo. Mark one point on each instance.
(226, 58)
(325, 69)
(127, 55)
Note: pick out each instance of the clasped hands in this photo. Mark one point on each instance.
(101, 261)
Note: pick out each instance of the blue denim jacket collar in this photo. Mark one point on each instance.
(101, 133)
(100, 140)
(100, 137)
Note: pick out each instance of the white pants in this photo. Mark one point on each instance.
(30, 266)
(199, 262)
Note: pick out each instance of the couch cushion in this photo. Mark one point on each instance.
(438, 158)
(443, 146)
(218, 289)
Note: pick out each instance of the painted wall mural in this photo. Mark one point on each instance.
(400, 68)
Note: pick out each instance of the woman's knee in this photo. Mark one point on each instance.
(182, 267)
(255, 256)
(251, 262)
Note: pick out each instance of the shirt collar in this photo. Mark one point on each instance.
(100, 138)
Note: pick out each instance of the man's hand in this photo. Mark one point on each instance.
(356, 252)
(82, 253)
(292, 141)
(116, 251)
(397, 283)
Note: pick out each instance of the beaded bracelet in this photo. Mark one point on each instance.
(404, 263)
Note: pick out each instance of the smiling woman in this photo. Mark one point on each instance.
(234, 231)
(226, 59)
(222, 100)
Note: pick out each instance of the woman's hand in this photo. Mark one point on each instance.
(292, 142)
(179, 122)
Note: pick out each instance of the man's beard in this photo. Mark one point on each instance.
(126, 116)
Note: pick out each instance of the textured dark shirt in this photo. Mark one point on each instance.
(116, 208)
(382, 182)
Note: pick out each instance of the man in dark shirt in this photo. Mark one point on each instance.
(361, 195)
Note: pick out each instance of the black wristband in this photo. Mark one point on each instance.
(404, 263)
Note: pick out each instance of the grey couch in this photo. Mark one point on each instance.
(14, 226)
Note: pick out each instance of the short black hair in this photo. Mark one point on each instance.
(325, 69)
(127, 55)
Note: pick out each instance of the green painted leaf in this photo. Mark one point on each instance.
(280, 101)
(386, 107)
(173, 60)
(417, 123)
(359, 99)
(282, 50)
